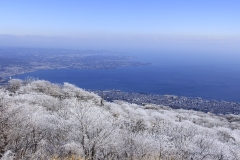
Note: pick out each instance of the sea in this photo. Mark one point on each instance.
(209, 76)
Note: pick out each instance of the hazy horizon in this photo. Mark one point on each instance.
(122, 25)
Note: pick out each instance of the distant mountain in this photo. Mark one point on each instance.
(41, 120)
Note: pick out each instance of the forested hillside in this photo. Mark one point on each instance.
(41, 120)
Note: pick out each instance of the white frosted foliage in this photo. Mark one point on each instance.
(41, 120)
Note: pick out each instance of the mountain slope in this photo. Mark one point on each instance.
(41, 120)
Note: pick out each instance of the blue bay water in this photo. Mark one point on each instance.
(176, 75)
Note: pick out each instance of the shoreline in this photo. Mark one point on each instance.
(173, 101)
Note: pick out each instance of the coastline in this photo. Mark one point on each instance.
(173, 101)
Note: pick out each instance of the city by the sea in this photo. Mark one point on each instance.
(211, 77)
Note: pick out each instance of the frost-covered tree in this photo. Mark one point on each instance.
(14, 84)
(41, 120)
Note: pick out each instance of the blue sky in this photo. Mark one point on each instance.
(120, 23)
